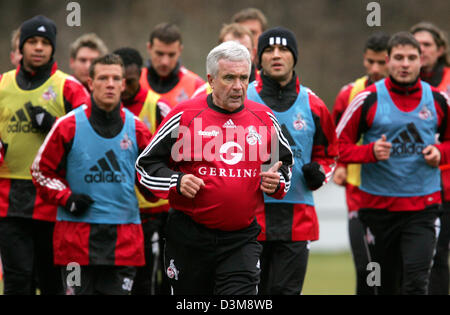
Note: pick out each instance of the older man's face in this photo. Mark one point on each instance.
(229, 86)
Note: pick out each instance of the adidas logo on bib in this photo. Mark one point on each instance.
(408, 142)
(104, 172)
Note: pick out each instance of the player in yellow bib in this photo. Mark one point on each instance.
(374, 60)
(32, 97)
(151, 108)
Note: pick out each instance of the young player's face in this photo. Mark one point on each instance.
(37, 52)
(255, 28)
(107, 85)
(430, 51)
(375, 64)
(229, 86)
(277, 62)
(164, 56)
(404, 63)
(81, 63)
(132, 75)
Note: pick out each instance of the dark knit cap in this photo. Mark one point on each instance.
(278, 35)
(38, 26)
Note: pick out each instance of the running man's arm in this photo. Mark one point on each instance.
(49, 167)
(153, 164)
(325, 146)
(356, 119)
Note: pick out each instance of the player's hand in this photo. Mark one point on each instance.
(271, 179)
(77, 204)
(41, 119)
(382, 149)
(190, 185)
(432, 155)
(340, 175)
(314, 175)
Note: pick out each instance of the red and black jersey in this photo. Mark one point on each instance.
(177, 87)
(358, 118)
(343, 99)
(341, 102)
(440, 78)
(287, 221)
(96, 244)
(18, 197)
(226, 150)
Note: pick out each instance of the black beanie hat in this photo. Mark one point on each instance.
(38, 26)
(278, 35)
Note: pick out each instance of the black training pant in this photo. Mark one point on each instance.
(26, 248)
(402, 243)
(146, 277)
(439, 280)
(283, 267)
(360, 254)
(204, 261)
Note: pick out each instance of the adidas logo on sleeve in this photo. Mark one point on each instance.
(106, 170)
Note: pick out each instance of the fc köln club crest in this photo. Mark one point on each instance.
(125, 143)
(299, 123)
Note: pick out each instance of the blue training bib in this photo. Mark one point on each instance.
(405, 173)
(298, 127)
(103, 169)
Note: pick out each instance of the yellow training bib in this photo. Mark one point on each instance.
(148, 116)
(354, 170)
(15, 121)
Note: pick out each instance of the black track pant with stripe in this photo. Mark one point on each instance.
(147, 280)
(360, 254)
(26, 248)
(204, 261)
(283, 267)
(403, 244)
(439, 280)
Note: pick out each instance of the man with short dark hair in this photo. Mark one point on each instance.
(151, 108)
(289, 225)
(165, 75)
(398, 118)
(86, 167)
(374, 61)
(31, 98)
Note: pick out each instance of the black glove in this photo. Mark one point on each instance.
(40, 118)
(77, 204)
(313, 175)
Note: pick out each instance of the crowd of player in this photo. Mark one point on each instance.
(109, 167)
